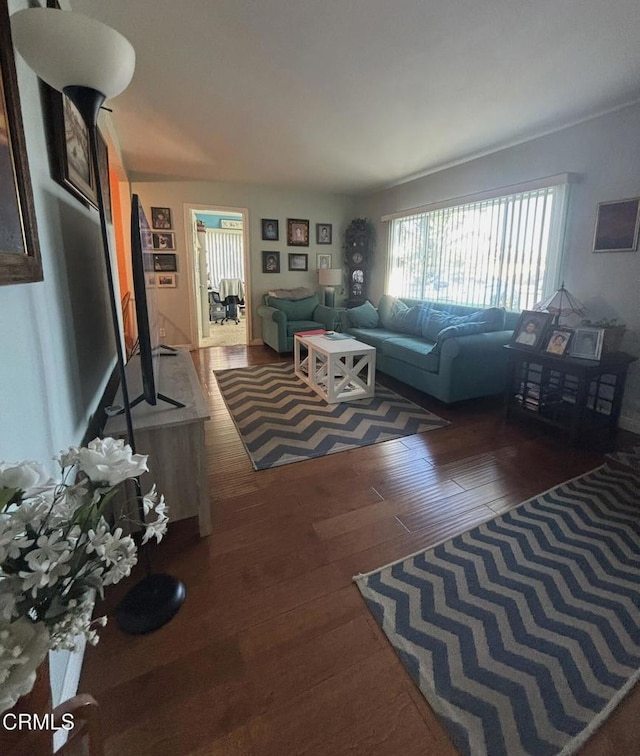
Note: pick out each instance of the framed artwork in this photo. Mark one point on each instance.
(166, 280)
(297, 233)
(324, 261)
(531, 329)
(163, 241)
(270, 230)
(617, 225)
(161, 218)
(165, 263)
(271, 262)
(236, 225)
(558, 341)
(69, 148)
(587, 343)
(323, 233)
(105, 185)
(19, 246)
(151, 280)
(298, 262)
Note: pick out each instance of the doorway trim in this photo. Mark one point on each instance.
(189, 209)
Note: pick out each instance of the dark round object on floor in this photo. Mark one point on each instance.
(150, 604)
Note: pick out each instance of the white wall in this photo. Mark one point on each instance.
(261, 202)
(56, 338)
(606, 153)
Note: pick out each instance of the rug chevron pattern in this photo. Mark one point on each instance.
(524, 633)
(280, 420)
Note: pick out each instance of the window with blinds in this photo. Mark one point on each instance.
(498, 252)
(225, 257)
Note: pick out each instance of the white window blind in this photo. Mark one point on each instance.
(225, 258)
(496, 252)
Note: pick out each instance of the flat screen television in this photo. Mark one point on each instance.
(148, 344)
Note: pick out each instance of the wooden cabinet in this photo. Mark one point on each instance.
(581, 398)
(173, 437)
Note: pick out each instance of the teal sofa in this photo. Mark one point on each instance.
(281, 318)
(451, 352)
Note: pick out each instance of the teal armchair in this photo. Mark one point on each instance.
(282, 318)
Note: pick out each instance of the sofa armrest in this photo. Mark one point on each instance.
(271, 313)
(479, 359)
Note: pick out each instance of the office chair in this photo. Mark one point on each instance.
(231, 305)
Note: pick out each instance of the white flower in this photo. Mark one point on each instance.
(23, 476)
(110, 461)
(149, 500)
(156, 529)
(23, 647)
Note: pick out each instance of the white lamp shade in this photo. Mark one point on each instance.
(69, 49)
(330, 276)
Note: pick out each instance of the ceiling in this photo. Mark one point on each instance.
(354, 95)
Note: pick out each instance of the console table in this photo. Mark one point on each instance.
(580, 397)
(173, 437)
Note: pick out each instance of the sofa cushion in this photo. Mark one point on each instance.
(412, 350)
(299, 309)
(364, 316)
(373, 336)
(395, 315)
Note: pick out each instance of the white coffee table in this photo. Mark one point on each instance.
(337, 370)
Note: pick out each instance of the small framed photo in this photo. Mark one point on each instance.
(270, 230)
(298, 262)
(324, 261)
(297, 233)
(558, 341)
(531, 329)
(271, 262)
(617, 225)
(161, 218)
(163, 241)
(323, 233)
(151, 280)
(587, 343)
(166, 280)
(165, 263)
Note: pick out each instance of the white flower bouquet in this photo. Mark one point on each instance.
(61, 543)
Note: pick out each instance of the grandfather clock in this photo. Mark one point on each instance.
(358, 245)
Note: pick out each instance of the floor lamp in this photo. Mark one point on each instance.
(89, 62)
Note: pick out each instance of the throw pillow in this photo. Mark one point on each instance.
(299, 309)
(387, 307)
(432, 322)
(364, 316)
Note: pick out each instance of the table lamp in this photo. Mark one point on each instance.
(330, 278)
(90, 62)
(560, 303)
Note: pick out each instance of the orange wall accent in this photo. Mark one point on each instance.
(116, 213)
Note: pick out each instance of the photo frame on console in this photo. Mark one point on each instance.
(531, 330)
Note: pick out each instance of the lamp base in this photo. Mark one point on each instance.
(329, 296)
(150, 604)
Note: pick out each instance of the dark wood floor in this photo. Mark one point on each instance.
(274, 652)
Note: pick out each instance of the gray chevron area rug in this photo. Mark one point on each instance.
(281, 420)
(523, 633)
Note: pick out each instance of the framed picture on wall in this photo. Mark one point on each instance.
(164, 241)
(297, 232)
(323, 233)
(617, 225)
(324, 261)
(270, 262)
(270, 230)
(165, 263)
(166, 280)
(161, 218)
(298, 262)
(19, 247)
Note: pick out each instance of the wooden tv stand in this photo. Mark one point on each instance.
(173, 437)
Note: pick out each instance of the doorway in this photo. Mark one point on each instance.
(221, 302)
